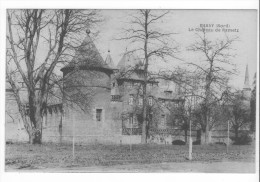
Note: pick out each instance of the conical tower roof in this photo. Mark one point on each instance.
(128, 61)
(87, 56)
(109, 61)
(246, 82)
(130, 67)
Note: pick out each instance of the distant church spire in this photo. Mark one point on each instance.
(246, 83)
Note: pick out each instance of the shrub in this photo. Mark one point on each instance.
(178, 142)
(244, 139)
(9, 142)
(221, 143)
(197, 142)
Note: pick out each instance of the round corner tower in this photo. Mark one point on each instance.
(87, 88)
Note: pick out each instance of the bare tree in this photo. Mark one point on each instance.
(214, 69)
(38, 42)
(149, 43)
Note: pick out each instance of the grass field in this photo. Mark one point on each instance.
(21, 156)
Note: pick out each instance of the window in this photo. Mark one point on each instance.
(131, 100)
(114, 84)
(99, 114)
(162, 124)
(131, 84)
(150, 101)
(132, 121)
(176, 104)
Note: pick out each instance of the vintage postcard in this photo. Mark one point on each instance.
(131, 90)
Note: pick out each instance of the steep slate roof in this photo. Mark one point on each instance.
(87, 57)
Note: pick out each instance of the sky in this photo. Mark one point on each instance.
(184, 24)
(181, 22)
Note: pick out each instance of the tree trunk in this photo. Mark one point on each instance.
(205, 133)
(144, 138)
(144, 126)
(205, 136)
(35, 115)
(236, 133)
(35, 136)
(186, 135)
(145, 123)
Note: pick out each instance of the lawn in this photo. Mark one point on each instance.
(49, 155)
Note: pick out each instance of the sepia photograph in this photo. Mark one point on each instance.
(131, 91)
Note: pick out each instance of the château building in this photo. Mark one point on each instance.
(102, 102)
